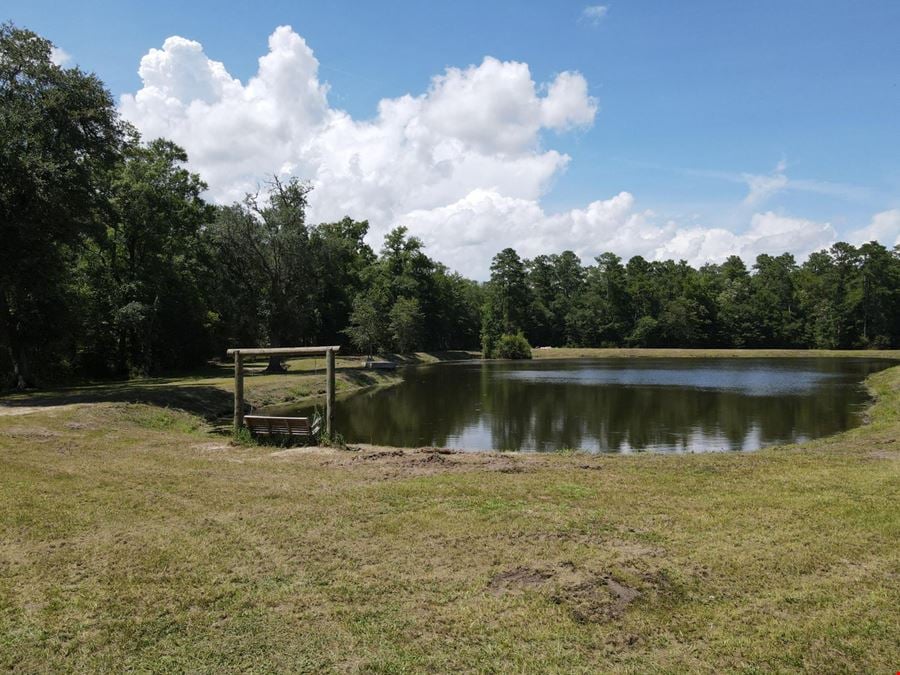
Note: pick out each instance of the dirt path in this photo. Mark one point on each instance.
(13, 410)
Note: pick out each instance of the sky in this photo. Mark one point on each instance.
(690, 130)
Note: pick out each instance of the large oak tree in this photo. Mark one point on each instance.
(59, 136)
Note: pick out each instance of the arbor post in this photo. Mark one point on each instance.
(329, 394)
(238, 391)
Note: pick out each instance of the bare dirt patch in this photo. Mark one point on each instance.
(517, 578)
(7, 410)
(378, 454)
(302, 451)
(589, 596)
(884, 454)
(212, 446)
(11, 411)
(77, 426)
(29, 432)
(597, 600)
(390, 462)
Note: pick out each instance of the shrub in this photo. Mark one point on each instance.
(512, 347)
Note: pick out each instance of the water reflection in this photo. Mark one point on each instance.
(612, 405)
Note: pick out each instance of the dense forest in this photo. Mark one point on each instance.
(843, 297)
(113, 264)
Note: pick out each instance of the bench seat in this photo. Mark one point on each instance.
(265, 425)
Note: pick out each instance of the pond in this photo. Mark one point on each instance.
(612, 405)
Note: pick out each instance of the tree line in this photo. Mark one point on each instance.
(845, 297)
(113, 264)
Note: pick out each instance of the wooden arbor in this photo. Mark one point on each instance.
(239, 355)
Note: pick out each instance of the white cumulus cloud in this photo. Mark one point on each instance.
(483, 219)
(473, 128)
(462, 164)
(59, 56)
(884, 228)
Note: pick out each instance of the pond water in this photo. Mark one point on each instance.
(612, 405)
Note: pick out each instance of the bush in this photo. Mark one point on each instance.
(512, 347)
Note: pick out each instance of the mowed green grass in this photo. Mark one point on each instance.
(131, 538)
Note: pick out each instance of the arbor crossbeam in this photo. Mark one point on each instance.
(282, 351)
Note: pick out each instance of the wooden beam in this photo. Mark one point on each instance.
(238, 392)
(329, 393)
(282, 351)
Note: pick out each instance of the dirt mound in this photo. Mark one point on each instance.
(394, 463)
(597, 600)
(77, 426)
(398, 463)
(590, 597)
(520, 577)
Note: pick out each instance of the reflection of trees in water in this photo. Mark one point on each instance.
(438, 404)
(430, 406)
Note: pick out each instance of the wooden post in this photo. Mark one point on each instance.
(329, 394)
(238, 391)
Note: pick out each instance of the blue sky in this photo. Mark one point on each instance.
(693, 98)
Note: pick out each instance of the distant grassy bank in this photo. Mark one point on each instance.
(132, 538)
(623, 352)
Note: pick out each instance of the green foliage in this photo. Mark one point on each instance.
(846, 297)
(243, 437)
(405, 324)
(161, 419)
(59, 137)
(645, 333)
(509, 292)
(508, 300)
(263, 248)
(412, 302)
(512, 347)
(366, 329)
(141, 279)
(557, 282)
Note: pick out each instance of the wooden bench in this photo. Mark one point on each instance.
(264, 425)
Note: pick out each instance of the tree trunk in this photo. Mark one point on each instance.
(22, 378)
(276, 363)
(276, 366)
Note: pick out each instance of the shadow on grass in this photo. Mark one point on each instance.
(208, 402)
(431, 357)
(361, 378)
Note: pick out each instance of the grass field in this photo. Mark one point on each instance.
(133, 538)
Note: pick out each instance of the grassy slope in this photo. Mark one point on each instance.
(131, 538)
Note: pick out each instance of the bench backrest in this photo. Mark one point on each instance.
(282, 426)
